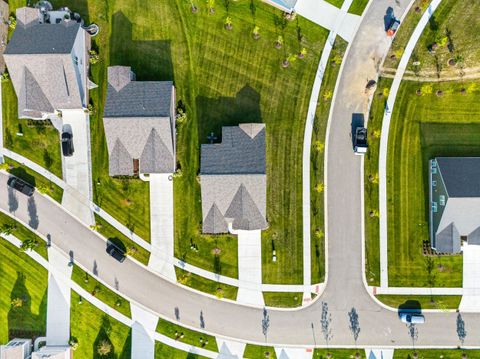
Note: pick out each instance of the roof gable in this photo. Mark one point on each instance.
(244, 211)
(214, 222)
(31, 98)
(120, 162)
(156, 157)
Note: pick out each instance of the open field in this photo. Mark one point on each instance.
(97, 289)
(424, 127)
(421, 301)
(451, 28)
(39, 141)
(90, 326)
(22, 280)
(317, 240)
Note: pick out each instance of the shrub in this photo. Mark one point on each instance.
(181, 116)
(327, 95)
(29, 244)
(94, 58)
(399, 52)
(17, 302)
(104, 348)
(386, 91)
(319, 187)
(73, 342)
(319, 146)
(427, 89)
(319, 234)
(12, 22)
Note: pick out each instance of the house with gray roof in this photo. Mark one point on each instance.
(233, 180)
(455, 202)
(48, 64)
(139, 122)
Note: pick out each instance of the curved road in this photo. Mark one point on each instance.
(345, 289)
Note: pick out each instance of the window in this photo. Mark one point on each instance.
(442, 200)
(434, 170)
(75, 60)
(434, 183)
(434, 207)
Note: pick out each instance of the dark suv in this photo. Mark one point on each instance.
(115, 252)
(67, 140)
(21, 186)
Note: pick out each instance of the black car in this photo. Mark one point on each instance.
(67, 140)
(115, 252)
(21, 186)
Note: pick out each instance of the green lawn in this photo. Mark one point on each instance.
(317, 157)
(338, 353)
(23, 233)
(436, 354)
(404, 33)
(100, 291)
(372, 245)
(282, 300)
(222, 77)
(259, 352)
(358, 6)
(164, 351)
(424, 127)
(22, 279)
(90, 326)
(421, 301)
(206, 285)
(337, 3)
(40, 141)
(114, 235)
(191, 337)
(453, 23)
(42, 184)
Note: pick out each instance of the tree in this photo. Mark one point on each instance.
(279, 42)
(228, 23)
(7, 228)
(104, 348)
(256, 32)
(211, 6)
(303, 52)
(427, 89)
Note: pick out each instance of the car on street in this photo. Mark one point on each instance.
(412, 318)
(114, 251)
(21, 186)
(67, 140)
(360, 144)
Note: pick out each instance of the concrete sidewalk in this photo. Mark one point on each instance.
(143, 333)
(250, 266)
(471, 279)
(161, 225)
(77, 168)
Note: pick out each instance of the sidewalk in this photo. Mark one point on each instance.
(471, 278)
(382, 166)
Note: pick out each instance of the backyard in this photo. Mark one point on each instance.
(424, 127)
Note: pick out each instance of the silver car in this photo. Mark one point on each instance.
(411, 318)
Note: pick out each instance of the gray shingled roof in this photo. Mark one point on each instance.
(242, 150)
(460, 175)
(138, 128)
(233, 180)
(41, 66)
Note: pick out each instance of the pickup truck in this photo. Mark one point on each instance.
(360, 144)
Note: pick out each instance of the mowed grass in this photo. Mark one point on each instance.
(283, 300)
(358, 6)
(205, 285)
(421, 301)
(39, 142)
(259, 352)
(424, 127)
(454, 22)
(436, 353)
(21, 278)
(164, 351)
(337, 3)
(90, 326)
(339, 353)
(372, 241)
(317, 240)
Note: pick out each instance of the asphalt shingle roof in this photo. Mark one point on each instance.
(461, 175)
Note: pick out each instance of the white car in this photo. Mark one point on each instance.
(411, 318)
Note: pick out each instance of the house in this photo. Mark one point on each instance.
(284, 5)
(16, 349)
(233, 180)
(139, 122)
(47, 59)
(53, 352)
(455, 202)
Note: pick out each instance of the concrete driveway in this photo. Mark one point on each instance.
(471, 278)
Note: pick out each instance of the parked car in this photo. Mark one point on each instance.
(114, 251)
(21, 186)
(392, 29)
(412, 318)
(360, 144)
(67, 140)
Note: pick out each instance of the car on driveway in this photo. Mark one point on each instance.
(67, 140)
(360, 144)
(114, 251)
(392, 29)
(21, 186)
(412, 318)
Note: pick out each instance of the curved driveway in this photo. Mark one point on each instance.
(345, 289)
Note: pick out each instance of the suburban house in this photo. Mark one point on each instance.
(455, 202)
(284, 5)
(47, 59)
(139, 122)
(16, 349)
(233, 180)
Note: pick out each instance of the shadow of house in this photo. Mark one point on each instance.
(140, 54)
(213, 113)
(22, 323)
(103, 336)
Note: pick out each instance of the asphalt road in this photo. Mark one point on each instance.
(344, 291)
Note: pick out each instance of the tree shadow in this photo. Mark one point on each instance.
(32, 213)
(213, 113)
(103, 335)
(151, 60)
(127, 347)
(387, 19)
(22, 323)
(12, 200)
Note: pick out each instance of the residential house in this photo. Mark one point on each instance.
(233, 180)
(53, 352)
(139, 122)
(16, 349)
(47, 59)
(455, 202)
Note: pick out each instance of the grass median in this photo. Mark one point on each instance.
(283, 300)
(420, 302)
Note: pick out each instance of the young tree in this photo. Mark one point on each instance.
(104, 348)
